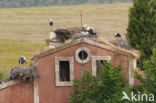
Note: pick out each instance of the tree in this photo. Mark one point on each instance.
(107, 88)
(149, 83)
(141, 32)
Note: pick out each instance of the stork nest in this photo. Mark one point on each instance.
(65, 34)
(23, 73)
(62, 34)
(70, 33)
(121, 43)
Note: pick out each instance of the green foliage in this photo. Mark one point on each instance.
(107, 88)
(141, 32)
(11, 50)
(29, 3)
(1, 75)
(149, 83)
(4, 73)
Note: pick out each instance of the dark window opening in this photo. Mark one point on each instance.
(99, 66)
(83, 55)
(64, 70)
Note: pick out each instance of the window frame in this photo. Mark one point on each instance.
(77, 55)
(57, 69)
(94, 59)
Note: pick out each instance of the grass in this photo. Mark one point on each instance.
(32, 23)
(11, 50)
(22, 30)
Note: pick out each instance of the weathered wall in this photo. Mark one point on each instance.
(48, 92)
(137, 82)
(19, 93)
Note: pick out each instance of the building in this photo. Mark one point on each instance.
(57, 67)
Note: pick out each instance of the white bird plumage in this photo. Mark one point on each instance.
(117, 35)
(22, 60)
(51, 22)
(52, 35)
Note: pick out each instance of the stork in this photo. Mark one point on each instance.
(117, 36)
(88, 29)
(22, 60)
(51, 22)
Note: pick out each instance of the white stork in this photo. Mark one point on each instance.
(22, 60)
(51, 22)
(117, 35)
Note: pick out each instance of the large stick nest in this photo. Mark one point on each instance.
(62, 34)
(69, 33)
(121, 43)
(23, 73)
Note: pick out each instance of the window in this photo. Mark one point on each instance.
(82, 55)
(99, 66)
(64, 71)
(97, 63)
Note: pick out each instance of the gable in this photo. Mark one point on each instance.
(98, 43)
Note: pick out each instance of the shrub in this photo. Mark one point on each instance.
(107, 88)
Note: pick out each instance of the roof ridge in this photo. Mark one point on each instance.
(136, 55)
(94, 41)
